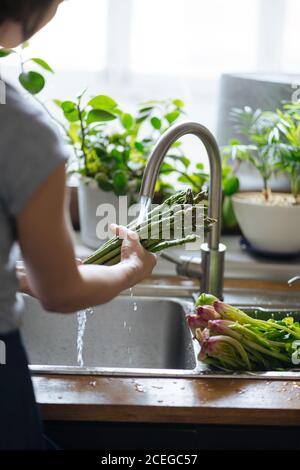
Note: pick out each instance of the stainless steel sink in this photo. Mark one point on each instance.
(150, 340)
(127, 333)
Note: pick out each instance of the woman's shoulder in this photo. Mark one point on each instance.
(21, 114)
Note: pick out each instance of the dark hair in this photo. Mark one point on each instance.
(27, 12)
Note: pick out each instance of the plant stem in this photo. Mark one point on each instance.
(82, 136)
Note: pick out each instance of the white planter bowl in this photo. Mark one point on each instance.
(269, 228)
(90, 197)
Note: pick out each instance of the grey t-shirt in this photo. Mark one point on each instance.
(30, 149)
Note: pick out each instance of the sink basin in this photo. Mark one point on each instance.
(152, 339)
(118, 335)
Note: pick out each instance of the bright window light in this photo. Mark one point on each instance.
(194, 38)
(76, 38)
(291, 55)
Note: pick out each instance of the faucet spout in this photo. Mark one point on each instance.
(212, 252)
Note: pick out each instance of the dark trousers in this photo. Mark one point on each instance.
(20, 424)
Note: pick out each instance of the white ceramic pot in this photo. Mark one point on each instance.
(272, 227)
(90, 200)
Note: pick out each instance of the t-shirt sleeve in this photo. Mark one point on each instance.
(30, 150)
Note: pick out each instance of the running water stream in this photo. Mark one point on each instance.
(145, 203)
(81, 324)
(82, 315)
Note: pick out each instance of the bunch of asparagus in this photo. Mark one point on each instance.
(232, 340)
(152, 231)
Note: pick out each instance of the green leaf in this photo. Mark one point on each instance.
(228, 215)
(166, 168)
(25, 45)
(156, 123)
(103, 102)
(143, 114)
(200, 166)
(6, 52)
(74, 132)
(42, 63)
(99, 115)
(231, 186)
(70, 111)
(171, 117)
(33, 82)
(120, 182)
(139, 146)
(58, 103)
(180, 158)
(127, 121)
(234, 142)
(178, 103)
(184, 179)
(104, 183)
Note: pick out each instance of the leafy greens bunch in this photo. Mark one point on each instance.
(232, 340)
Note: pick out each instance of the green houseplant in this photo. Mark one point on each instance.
(111, 147)
(273, 147)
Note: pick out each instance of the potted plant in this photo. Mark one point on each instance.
(269, 221)
(110, 148)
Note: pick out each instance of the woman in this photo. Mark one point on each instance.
(32, 193)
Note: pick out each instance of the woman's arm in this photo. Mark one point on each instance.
(49, 256)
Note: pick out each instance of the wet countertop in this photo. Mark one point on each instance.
(161, 400)
(173, 400)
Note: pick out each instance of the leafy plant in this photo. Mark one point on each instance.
(287, 148)
(112, 145)
(31, 80)
(259, 129)
(273, 143)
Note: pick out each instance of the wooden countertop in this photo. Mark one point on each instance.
(169, 400)
(161, 400)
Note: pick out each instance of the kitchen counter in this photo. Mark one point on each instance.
(172, 400)
(161, 400)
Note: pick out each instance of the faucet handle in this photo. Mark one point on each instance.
(293, 280)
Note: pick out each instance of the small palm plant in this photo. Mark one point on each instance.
(258, 128)
(273, 143)
(288, 147)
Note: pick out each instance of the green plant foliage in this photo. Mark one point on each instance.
(6, 52)
(33, 82)
(112, 145)
(273, 143)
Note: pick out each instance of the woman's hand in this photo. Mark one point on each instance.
(140, 262)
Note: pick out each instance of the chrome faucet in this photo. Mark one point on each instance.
(293, 280)
(212, 252)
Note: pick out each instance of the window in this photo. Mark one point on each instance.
(291, 55)
(194, 38)
(76, 38)
(144, 49)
